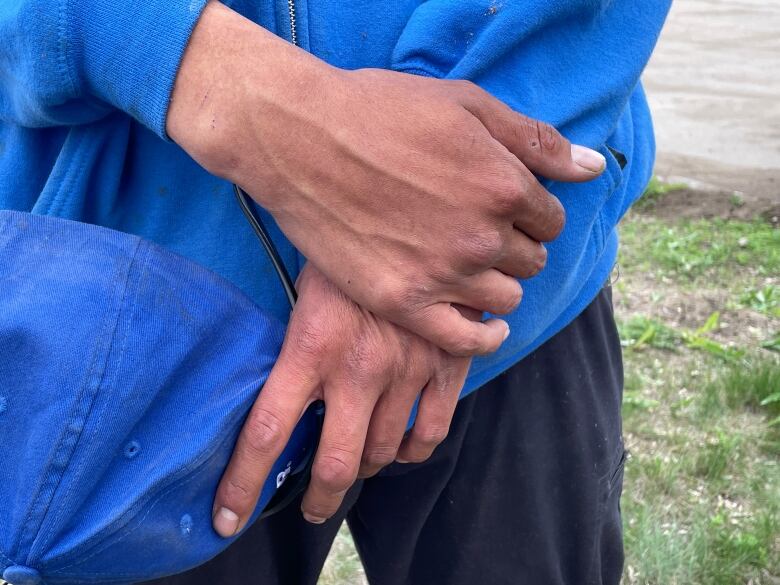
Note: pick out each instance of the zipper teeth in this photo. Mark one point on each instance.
(293, 27)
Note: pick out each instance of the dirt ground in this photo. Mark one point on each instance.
(713, 86)
(708, 202)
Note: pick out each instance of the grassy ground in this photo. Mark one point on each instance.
(699, 310)
(698, 303)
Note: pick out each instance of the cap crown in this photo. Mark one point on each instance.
(126, 372)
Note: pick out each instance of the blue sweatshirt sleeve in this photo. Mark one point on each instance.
(66, 62)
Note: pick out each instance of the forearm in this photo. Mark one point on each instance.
(230, 62)
(410, 194)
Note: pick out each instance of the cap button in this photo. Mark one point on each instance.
(19, 575)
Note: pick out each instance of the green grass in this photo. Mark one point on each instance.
(772, 343)
(698, 546)
(343, 566)
(692, 250)
(703, 484)
(752, 384)
(640, 332)
(764, 299)
(701, 499)
(655, 192)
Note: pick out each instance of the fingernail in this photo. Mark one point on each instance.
(225, 522)
(588, 159)
(401, 461)
(506, 333)
(313, 519)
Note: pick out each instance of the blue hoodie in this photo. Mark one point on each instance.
(85, 87)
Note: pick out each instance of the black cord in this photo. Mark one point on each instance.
(265, 239)
(300, 480)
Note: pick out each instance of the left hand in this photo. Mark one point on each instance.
(369, 372)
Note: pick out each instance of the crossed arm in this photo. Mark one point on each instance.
(415, 201)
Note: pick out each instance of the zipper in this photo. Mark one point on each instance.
(293, 27)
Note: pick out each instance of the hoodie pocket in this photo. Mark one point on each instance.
(609, 209)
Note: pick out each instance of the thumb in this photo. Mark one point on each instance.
(539, 146)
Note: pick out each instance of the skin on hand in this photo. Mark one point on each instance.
(413, 195)
(369, 372)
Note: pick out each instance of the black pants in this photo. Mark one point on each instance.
(525, 490)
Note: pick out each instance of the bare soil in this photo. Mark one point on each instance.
(701, 202)
(658, 297)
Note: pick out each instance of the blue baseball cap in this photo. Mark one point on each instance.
(126, 373)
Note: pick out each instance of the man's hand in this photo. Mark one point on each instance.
(411, 194)
(369, 372)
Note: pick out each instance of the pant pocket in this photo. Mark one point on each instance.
(609, 556)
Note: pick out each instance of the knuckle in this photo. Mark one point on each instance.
(408, 362)
(525, 185)
(548, 214)
(444, 381)
(483, 249)
(540, 259)
(549, 138)
(467, 344)
(264, 431)
(399, 297)
(508, 301)
(532, 135)
(468, 87)
(235, 494)
(379, 457)
(434, 434)
(426, 440)
(533, 261)
(540, 137)
(309, 339)
(525, 133)
(334, 474)
(364, 359)
(506, 192)
(557, 219)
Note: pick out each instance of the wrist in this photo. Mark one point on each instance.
(234, 75)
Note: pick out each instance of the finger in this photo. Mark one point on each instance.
(470, 313)
(523, 257)
(261, 441)
(435, 411)
(492, 291)
(444, 326)
(537, 144)
(347, 414)
(388, 425)
(537, 213)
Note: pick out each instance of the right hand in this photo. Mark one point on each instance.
(369, 373)
(411, 194)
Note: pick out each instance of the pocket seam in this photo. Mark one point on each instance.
(613, 177)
